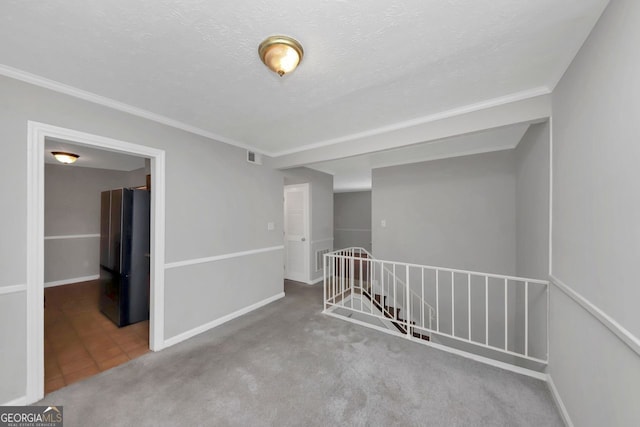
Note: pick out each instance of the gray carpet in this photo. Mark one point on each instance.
(289, 365)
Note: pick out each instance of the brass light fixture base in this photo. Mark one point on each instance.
(281, 54)
(64, 157)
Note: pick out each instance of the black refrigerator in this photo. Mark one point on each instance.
(124, 255)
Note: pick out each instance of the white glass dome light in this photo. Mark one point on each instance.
(281, 54)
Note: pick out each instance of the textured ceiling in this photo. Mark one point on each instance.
(354, 173)
(366, 65)
(91, 157)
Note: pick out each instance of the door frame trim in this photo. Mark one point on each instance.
(36, 134)
(307, 248)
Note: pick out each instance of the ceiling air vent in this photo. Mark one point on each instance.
(254, 158)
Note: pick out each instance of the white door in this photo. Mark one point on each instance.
(296, 232)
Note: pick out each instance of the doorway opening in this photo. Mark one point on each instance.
(296, 232)
(96, 261)
(83, 294)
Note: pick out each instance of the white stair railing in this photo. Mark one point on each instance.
(420, 311)
(506, 314)
(388, 292)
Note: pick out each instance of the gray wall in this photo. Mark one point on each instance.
(487, 213)
(321, 189)
(532, 233)
(352, 220)
(532, 203)
(457, 213)
(72, 207)
(596, 236)
(216, 203)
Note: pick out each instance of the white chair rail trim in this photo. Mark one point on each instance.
(72, 236)
(221, 257)
(620, 331)
(20, 401)
(12, 289)
(328, 239)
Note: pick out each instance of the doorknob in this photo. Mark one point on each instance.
(303, 239)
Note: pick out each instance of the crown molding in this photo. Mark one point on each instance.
(483, 105)
(56, 86)
(53, 85)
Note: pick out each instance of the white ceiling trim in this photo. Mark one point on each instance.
(33, 79)
(353, 190)
(568, 60)
(471, 108)
(338, 188)
(527, 111)
(120, 106)
(355, 172)
(449, 156)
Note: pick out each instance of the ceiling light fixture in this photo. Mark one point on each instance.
(66, 158)
(281, 54)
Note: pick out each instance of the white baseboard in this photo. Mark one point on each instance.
(203, 328)
(313, 282)
(559, 403)
(20, 401)
(70, 281)
(502, 365)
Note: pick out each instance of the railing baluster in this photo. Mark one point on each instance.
(328, 288)
(453, 304)
(361, 287)
(331, 276)
(506, 315)
(351, 266)
(337, 278)
(342, 284)
(350, 274)
(469, 302)
(371, 268)
(526, 318)
(395, 301)
(486, 310)
(408, 313)
(324, 282)
(422, 300)
(437, 300)
(382, 288)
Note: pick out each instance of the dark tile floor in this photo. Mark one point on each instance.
(79, 341)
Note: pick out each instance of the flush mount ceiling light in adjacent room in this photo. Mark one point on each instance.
(66, 158)
(281, 54)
